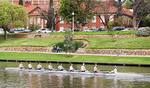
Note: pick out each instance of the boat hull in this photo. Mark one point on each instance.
(60, 72)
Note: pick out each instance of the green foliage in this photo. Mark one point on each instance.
(113, 24)
(145, 21)
(82, 13)
(69, 45)
(128, 4)
(72, 48)
(121, 21)
(11, 16)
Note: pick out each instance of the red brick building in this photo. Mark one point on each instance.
(34, 8)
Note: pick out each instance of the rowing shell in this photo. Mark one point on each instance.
(62, 72)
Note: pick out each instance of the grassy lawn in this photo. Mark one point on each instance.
(30, 41)
(94, 43)
(123, 43)
(73, 58)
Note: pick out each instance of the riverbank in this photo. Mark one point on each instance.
(123, 60)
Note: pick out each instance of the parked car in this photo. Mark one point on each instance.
(43, 30)
(19, 30)
(87, 30)
(1, 31)
(61, 31)
(27, 30)
(118, 28)
(127, 29)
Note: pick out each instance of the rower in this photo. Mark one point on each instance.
(29, 66)
(60, 67)
(21, 66)
(71, 69)
(95, 69)
(83, 69)
(114, 70)
(50, 67)
(39, 66)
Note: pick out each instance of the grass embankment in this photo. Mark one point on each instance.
(73, 58)
(94, 43)
(121, 43)
(30, 41)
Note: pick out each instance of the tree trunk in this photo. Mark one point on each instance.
(135, 23)
(5, 34)
(50, 21)
(50, 18)
(20, 2)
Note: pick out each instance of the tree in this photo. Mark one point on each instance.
(10, 18)
(140, 10)
(20, 2)
(145, 21)
(82, 11)
(104, 13)
(50, 16)
(128, 4)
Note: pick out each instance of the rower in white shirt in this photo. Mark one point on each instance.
(39, 66)
(30, 66)
(71, 69)
(50, 67)
(60, 67)
(21, 66)
(83, 69)
(114, 70)
(95, 70)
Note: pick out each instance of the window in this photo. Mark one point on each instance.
(94, 19)
(61, 20)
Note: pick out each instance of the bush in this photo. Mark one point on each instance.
(75, 45)
(143, 31)
(69, 44)
(112, 24)
(145, 21)
(34, 27)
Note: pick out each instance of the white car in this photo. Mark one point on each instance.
(1, 31)
(43, 30)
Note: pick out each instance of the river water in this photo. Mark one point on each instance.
(132, 77)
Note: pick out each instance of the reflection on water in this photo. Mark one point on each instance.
(40, 80)
(32, 80)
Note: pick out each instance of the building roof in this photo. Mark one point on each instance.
(107, 7)
(34, 10)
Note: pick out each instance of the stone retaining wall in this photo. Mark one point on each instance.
(79, 51)
(26, 49)
(114, 51)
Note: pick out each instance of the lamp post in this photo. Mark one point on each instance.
(73, 22)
